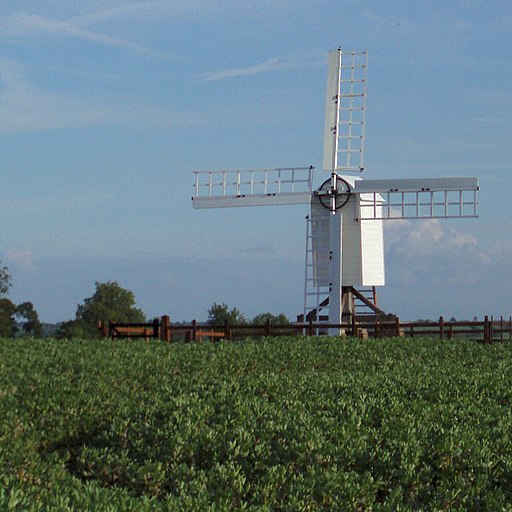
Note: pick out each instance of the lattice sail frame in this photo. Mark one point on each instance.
(345, 111)
(422, 198)
(408, 198)
(254, 187)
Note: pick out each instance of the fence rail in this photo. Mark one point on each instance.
(488, 330)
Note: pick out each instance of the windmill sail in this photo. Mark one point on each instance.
(262, 187)
(418, 198)
(345, 111)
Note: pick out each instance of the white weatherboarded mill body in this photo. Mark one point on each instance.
(344, 242)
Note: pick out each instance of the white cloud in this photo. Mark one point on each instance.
(103, 11)
(25, 107)
(434, 268)
(263, 67)
(386, 21)
(143, 10)
(501, 251)
(24, 23)
(434, 251)
(32, 24)
(22, 258)
(426, 237)
(273, 64)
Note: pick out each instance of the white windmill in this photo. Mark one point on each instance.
(344, 241)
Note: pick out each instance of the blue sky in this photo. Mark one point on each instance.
(106, 107)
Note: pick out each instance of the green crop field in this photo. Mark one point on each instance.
(275, 424)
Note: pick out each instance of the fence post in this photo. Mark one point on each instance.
(103, 329)
(397, 327)
(111, 331)
(165, 328)
(441, 327)
(268, 327)
(227, 332)
(486, 329)
(194, 330)
(156, 328)
(354, 329)
(310, 327)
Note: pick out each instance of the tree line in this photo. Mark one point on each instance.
(16, 317)
(109, 302)
(220, 314)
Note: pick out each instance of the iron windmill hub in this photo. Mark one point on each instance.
(341, 192)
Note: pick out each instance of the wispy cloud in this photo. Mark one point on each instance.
(22, 258)
(143, 10)
(26, 107)
(26, 24)
(386, 21)
(268, 66)
(263, 67)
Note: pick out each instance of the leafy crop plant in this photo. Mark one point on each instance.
(279, 424)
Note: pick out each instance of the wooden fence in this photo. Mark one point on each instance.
(158, 329)
(488, 330)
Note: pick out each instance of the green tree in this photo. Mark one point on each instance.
(262, 319)
(218, 314)
(7, 323)
(10, 313)
(7, 307)
(75, 329)
(31, 326)
(5, 280)
(110, 302)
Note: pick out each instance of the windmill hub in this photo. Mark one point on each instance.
(336, 194)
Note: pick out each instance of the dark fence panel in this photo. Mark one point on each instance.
(488, 330)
